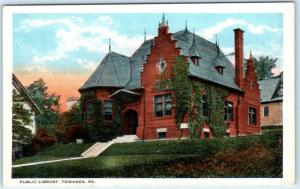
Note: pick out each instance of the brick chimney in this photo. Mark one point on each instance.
(239, 56)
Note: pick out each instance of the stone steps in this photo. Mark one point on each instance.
(99, 147)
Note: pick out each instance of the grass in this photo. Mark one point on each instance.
(252, 156)
(57, 151)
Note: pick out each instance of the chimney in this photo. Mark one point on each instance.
(239, 56)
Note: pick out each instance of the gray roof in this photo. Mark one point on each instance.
(193, 50)
(113, 71)
(268, 88)
(206, 69)
(116, 70)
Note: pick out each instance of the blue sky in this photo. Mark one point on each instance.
(76, 43)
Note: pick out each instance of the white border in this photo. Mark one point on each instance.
(287, 9)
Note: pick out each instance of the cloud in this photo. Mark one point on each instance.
(48, 58)
(91, 66)
(73, 34)
(28, 24)
(210, 32)
(105, 20)
(261, 29)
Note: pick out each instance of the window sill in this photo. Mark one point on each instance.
(163, 117)
(252, 125)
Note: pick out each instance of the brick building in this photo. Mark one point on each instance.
(271, 95)
(150, 114)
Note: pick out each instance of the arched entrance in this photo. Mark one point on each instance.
(130, 122)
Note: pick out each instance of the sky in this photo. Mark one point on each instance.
(64, 49)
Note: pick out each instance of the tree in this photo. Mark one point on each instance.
(21, 118)
(49, 104)
(263, 66)
(68, 123)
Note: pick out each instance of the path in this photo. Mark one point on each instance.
(93, 151)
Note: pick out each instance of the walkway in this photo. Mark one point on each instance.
(44, 162)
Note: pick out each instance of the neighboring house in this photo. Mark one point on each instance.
(30, 105)
(150, 114)
(271, 95)
(71, 101)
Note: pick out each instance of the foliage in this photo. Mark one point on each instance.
(270, 139)
(97, 128)
(67, 129)
(21, 118)
(216, 108)
(263, 66)
(48, 103)
(41, 140)
(251, 156)
(189, 96)
(182, 87)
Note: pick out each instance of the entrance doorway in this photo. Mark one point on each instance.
(130, 122)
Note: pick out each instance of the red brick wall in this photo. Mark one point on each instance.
(251, 98)
(275, 114)
(164, 47)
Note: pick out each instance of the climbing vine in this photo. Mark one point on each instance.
(97, 128)
(189, 100)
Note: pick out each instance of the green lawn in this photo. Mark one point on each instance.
(252, 156)
(57, 151)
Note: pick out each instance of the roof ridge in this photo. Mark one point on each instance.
(105, 58)
(115, 70)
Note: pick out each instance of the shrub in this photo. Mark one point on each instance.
(41, 140)
(75, 132)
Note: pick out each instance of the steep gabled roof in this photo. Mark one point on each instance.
(22, 90)
(117, 70)
(138, 59)
(268, 88)
(113, 71)
(206, 69)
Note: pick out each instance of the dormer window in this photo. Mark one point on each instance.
(219, 62)
(195, 60)
(220, 69)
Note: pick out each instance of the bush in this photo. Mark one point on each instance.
(205, 147)
(41, 140)
(75, 132)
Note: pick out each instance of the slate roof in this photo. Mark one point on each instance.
(117, 70)
(113, 71)
(206, 69)
(268, 88)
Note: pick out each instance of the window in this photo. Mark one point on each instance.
(266, 111)
(89, 111)
(108, 110)
(252, 116)
(162, 105)
(228, 113)
(205, 110)
(161, 135)
(206, 134)
(162, 65)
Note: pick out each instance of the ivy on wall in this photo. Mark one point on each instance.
(97, 128)
(189, 99)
